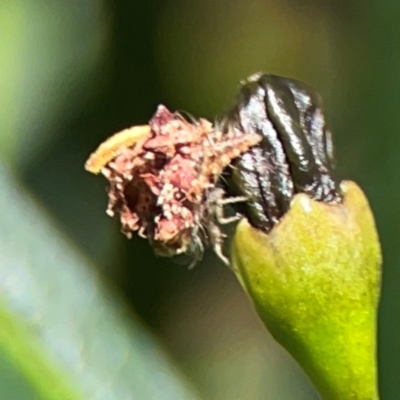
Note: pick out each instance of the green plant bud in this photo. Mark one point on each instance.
(315, 283)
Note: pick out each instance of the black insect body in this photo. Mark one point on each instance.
(294, 156)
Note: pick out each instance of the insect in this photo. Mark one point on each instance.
(163, 181)
(294, 156)
(208, 228)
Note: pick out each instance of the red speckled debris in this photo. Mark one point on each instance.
(159, 184)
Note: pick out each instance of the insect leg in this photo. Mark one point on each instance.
(216, 240)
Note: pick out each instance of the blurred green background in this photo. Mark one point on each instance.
(73, 72)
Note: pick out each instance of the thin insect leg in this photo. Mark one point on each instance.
(231, 200)
(227, 220)
(220, 254)
(220, 217)
(201, 229)
(141, 232)
(216, 236)
(219, 202)
(198, 253)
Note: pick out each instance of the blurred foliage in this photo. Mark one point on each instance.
(72, 73)
(60, 326)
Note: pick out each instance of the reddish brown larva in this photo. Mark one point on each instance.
(161, 176)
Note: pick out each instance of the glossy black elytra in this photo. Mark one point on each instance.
(294, 156)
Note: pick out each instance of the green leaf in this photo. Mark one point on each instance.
(59, 324)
